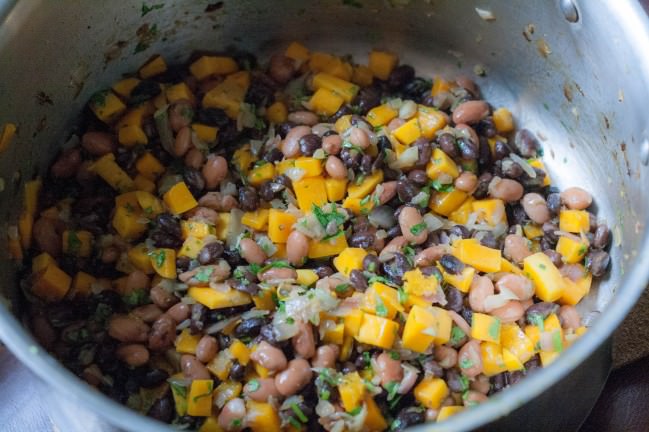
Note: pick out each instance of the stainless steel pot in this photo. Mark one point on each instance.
(575, 72)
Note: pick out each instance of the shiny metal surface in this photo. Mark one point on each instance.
(580, 86)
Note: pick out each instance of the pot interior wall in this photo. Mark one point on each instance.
(572, 84)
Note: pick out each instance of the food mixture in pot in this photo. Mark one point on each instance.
(303, 244)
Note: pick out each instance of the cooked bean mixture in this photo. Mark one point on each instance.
(303, 244)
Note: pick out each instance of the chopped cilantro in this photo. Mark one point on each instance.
(159, 255)
(275, 264)
(325, 394)
(582, 250)
(465, 363)
(299, 413)
(394, 402)
(236, 423)
(395, 355)
(341, 288)
(281, 306)
(203, 275)
(253, 385)
(418, 228)
(368, 385)
(557, 343)
(326, 376)
(296, 424)
(356, 411)
(464, 381)
(326, 218)
(351, 146)
(457, 334)
(402, 295)
(392, 387)
(366, 358)
(441, 187)
(206, 394)
(381, 309)
(365, 200)
(146, 9)
(395, 425)
(537, 320)
(375, 278)
(542, 266)
(136, 297)
(99, 99)
(178, 389)
(260, 162)
(494, 329)
(290, 320)
(359, 179)
(74, 244)
(410, 253)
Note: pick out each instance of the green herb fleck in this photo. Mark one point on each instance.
(290, 320)
(146, 9)
(394, 402)
(98, 99)
(366, 200)
(441, 187)
(360, 179)
(464, 381)
(418, 228)
(375, 278)
(203, 275)
(178, 389)
(296, 424)
(253, 385)
(582, 250)
(356, 411)
(494, 329)
(275, 264)
(325, 394)
(349, 145)
(465, 363)
(298, 412)
(236, 423)
(260, 162)
(457, 334)
(392, 387)
(542, 266)
(159, 256)
(537, 320)
(136, 297)
(368, 385)
(325, 218)
(402, 295)
(557, 343)
(381, 309)
(342, 288)
(74, 244)
(326, 376)
(395, 355)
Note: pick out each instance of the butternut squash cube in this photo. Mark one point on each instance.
(440, 163)
(134, 116)
(327, 248)
(362, 75)
(338, 68)
(196, 229)
(574, 221)
(306, 277)
(374, 420)
(7, 135)
(548, 357)
(149, 203)
(261, 174)
(262, 417)
(480, 257)
(125, 87)
(461, 214)
(77, 242)
(205, 132)
(448, 411)
(179, 199)
(127, 221)
(163, 261)
(149, 166)
(492, 359)
(461, 281)
(336, 189)
(186, 342)
(367, 186)
(191, 247)
(229, 94)
(211, 424)
(351, 390)
(538, 163)
(381, 300)
(358, 206)
(113, 174)
(41, 261)
(309, 192)
(349, 259)
(342, 88)
(154, 66)
(532, 231)
(32, 191)
(178, 92)
(430, 392)
(319, 61)
(573, 292)
(571, 249)
(25, 228)
(215, 299)
(297, 51)
(326, 102)
(138, 256)
(381, 115)
(420, 329)
(144, 184)
(491, 211)
(257, 220)
(213, 65)
(280, 225)
(377, 331)
(485, 327)
(199, 402)
(515, 341)
(440, 85)
(408, 132)
(82, 284)
(548, 282)
(106, 106)
(51, 284)
(243, 158)
(381, 63)
(334, 335)
(312, 167)
(416, 283)
(430, 120)
(503, 120)
(353, 322)
(445, 203)
(512, 363)
(240, 352)
(277, 112)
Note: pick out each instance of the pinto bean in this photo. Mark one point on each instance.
(46, 236)
(137, 280)
(472, 398)
(194, 159)
(183, 142)
(430, 255)
(389, 191)
(358, 137)
(505, 189)
(470, 112)
(251, 251)
(335, 168)
(325, 356)
(217, 201)
(163, 333)
(481, 288)
(147, 313)
(281, 68)
(297, 247)
(303, 118)
(192, 368)
(162, 298)
(269, 357)
(181, 114)
(576, 198)
(446, 356)
(536, 208)
(214, 171)
(510, 312)
(516, 248)
(98, 143)
(470, 359)
(126, 328)
(294, 378)
(521, 286)
(291, 144)
(569, 317)
(232, 416)
(388, 369)
(466, 182)
(133, 354)
(179, 312)
(304, 341)
(412, 225)
(278, 274)
(261, 389)
(206, 348)
(332, 144)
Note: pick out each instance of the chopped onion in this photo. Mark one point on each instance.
(381, 234)
(184, 324)
(409, 378)
(495, 301)
(406, 159)
(319, 154)
(529, 170)
(460, 322)
(433, 223)
(321, 128)
(256, 146)
(324, 408)
(485, 14)
(421, 199)
(246, 117)
(228, 187)
(266, 244)
(395, 103)
(407, 110)
(295, 399)
(295, 174)
(217, 327)
(284, 329)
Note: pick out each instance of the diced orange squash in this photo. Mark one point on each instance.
(277, 112)
(138, 256)
(154, 66)
(336, 189)
(381, 63)
(205, 132)
(377, 331)
(213, 65)
(445, 203)
(480, 257)
(264, 300)
(431, 391)
(280, 225)
(144, 184)
(261, 174)
(416, 283)
(462, 213)
(7, 135)
(342, 88)
(512, 363)
(571, 249)
(14, 243)
(41, 261)
(191, 247)
(199, 401)
(358, 206)
(491, 211)
(240, 352)
(82, 284)
(297, 51)
(229, 94)
(32, 191)
(334, 335)
(179, 393)
(262, 417)
(106, 106)
(77, 242)
(440, 163)
(283, 166)
(448, 411)
(351, 390)
(163, 261)
(211, 424)
(319, 61)
(327, 248)
(128, 222)
(381, 300)
(306, 277)
(538, 163)
(366, 187)
(461, 281)
(353, 322)
(546, 277)
(215, 299)
(309, 192)
(51, 284)
(339, 69)
(362, 75)
(346, 348)
(440, 85)
(374, 420)
(25, 228)
(503, 120)
(430, 121)
(223, 226)
(485, 327)
(243, 158)
(381, 115)
(532, 231)
(548, 357)
(149, 166)
(574, 221)
(312, 167)
(420, 329)
(349, 259)
(179, 199)
(573, 292)
(257, 220)
(135, 116)
(113, 174)
(408, 132)
(492, 359)
(178, 92)
(125, 87)
(186, 342)
(326, 102)
(149, 203)
(516, 342)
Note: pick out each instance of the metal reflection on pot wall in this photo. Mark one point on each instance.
(576, 78)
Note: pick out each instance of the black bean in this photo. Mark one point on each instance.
(163, 409)
(454, 300)
(323, 271)
(144, 91)
(549, 229)
(197, 318)
(371, 263)
(233, 257)
(487, 128)
(194, 180)
(269, 334)
(362, 240)
(532, 364)
(166, 232)
(153, 377)
(425, 152)
(384, 144)
(597, 262)
(468, 149)
(501, 150)
(428, 100)
(182, 264)
(351, 158)
(212, 117)
(554, 256)
(348, 367)
(416, 89)
(406, 190)
(460, 231)
(601, 237)
(273, 155)
(467, 314)
(516, 214)
(447, 144)
(431, 367)
(546, 244)
(482, 189)
(342, 111)
(454, 381)
(249, 327)
(357, 280)
(511, 169)
(432, 271)
(489, 240)
(407, 417)
(248, 199)
(526, 143)
(382, 217)
(309, 144)
(418, 177)
(514, 377)
(396, 268)
(366, 165)
(400, 76)
(498, 382)
(245, 286)
(224, 341)
(283, 128)
(542, 309)
(485, 160)
(237, 371)
(451, 264)
(261, 92)
(554, 203)
(395, 231)
(368, 98)
(210, 253)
